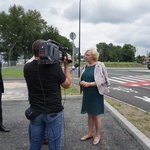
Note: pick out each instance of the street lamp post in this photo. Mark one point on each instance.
(79, 36)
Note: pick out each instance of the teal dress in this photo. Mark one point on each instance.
(92, 102)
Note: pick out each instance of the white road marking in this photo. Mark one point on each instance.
(144, 98)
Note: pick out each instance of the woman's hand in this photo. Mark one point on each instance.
(85, 84)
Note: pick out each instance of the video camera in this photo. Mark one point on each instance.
(51, 52)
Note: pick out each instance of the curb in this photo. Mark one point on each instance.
(137, 134)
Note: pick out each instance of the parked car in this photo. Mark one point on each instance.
(148, 65)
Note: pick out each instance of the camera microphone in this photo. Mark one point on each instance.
(74, 67)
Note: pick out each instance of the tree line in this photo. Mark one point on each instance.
(112, 53)
(19, 29)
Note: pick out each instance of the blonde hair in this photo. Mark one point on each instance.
(94, 53)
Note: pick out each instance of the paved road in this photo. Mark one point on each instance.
(131, 86)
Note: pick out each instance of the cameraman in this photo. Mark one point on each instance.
(43, 83)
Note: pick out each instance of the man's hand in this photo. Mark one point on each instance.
(67, 58)
(67, 82)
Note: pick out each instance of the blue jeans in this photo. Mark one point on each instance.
(49, 123)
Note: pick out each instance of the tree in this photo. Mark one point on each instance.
(103, 50)
(110, 52)
(140, 59)
(52, 33)
(10, 28)
(16, 27)
(19, 29)
(128, 53)
(32, 26)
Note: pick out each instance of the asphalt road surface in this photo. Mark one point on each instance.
(131, 86)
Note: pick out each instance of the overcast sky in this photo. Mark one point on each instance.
(111, 21)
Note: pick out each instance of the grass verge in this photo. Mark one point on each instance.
(14, 71)
(139, 118)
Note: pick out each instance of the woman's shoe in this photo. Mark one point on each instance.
(95, 142)
(86, 137)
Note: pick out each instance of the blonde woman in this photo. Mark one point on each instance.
(94, 83)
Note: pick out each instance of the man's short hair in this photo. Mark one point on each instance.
(35, 47)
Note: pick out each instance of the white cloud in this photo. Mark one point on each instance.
(109, 21)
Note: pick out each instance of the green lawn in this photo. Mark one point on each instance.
(12, 71)
(18, 70)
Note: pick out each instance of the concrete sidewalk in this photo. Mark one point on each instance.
(116, 132)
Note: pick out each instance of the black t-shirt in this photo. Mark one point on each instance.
(43, 83)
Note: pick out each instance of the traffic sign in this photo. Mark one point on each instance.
(72, 35)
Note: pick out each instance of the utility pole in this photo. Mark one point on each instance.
(79, 37)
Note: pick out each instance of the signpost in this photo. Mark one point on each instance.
(72, 36)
